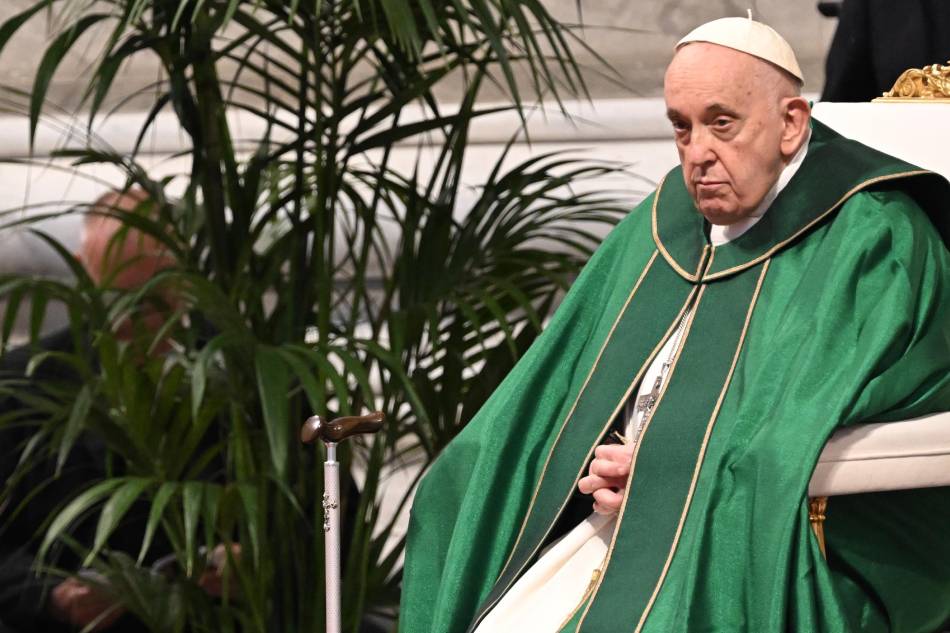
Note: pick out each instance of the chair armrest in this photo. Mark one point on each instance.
(890, 456)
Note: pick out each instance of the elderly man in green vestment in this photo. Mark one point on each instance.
(645, 466)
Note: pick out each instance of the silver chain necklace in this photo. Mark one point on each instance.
(646, 402)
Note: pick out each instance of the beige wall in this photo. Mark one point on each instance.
(23, 53)
(636, 37)
(640, 44)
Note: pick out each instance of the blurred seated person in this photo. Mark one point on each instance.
(119, 258)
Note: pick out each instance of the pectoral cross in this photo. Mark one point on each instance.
(646, 402)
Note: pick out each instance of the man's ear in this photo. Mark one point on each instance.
(796, 114)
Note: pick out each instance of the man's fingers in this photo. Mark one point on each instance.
(607, 500)
(612, 460)
(607, 477)
(609, 468)
(590, 483)
(621, 453)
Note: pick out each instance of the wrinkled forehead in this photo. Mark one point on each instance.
(706, 74)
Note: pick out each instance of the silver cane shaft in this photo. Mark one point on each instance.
(331, 537)
(331, 434)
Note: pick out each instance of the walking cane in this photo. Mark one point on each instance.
(331, 434)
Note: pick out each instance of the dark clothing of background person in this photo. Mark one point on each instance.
(24, 606)
(23, 595)
(877, 40)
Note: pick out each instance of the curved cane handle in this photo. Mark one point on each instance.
(340, 428)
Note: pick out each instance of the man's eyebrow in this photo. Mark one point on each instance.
(713, 108)
(718, 108)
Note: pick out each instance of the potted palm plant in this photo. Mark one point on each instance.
(312, 276)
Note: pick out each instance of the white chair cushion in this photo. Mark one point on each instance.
(915, 132)
(889, 456)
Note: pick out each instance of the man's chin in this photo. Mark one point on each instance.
(718, 214)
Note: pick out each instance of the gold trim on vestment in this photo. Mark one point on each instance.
(767, 254)
(702, 449)
(702, 259)
(659, 243)
(771, 251)
(590, 589)
(636, 450)
(547, 461)
(623, 401)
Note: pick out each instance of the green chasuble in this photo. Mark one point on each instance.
(834, 309)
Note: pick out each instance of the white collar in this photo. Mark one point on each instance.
(723, 233)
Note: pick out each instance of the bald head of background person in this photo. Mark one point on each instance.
(119, 257)
(115, 255)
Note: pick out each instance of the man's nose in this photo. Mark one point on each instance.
(699, 150)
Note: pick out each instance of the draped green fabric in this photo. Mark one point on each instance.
(834, 309)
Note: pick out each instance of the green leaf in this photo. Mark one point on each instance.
(106, 73)
(74, 425)
(305, 374)
(273, 385)
(396, 134)
(14, 299)
(252, 511)
(209, 513)
(54, 54)
(402, 23)
(178, 14)
(191, 493)
(38, 306)
(155, 513)
(11, 26)
(82, 277)
(398, 373)
(113, 511)
(199, 375)
(325, 371)
(74, 510)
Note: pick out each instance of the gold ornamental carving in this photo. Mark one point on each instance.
(817, 506)
(930, 83)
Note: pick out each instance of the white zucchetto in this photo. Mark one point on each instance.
(748, 36)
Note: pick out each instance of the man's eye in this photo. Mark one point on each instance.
(722, 122)
(679, 126)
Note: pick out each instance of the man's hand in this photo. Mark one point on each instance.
(77, 603)
(212, 579)
(607, 477)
